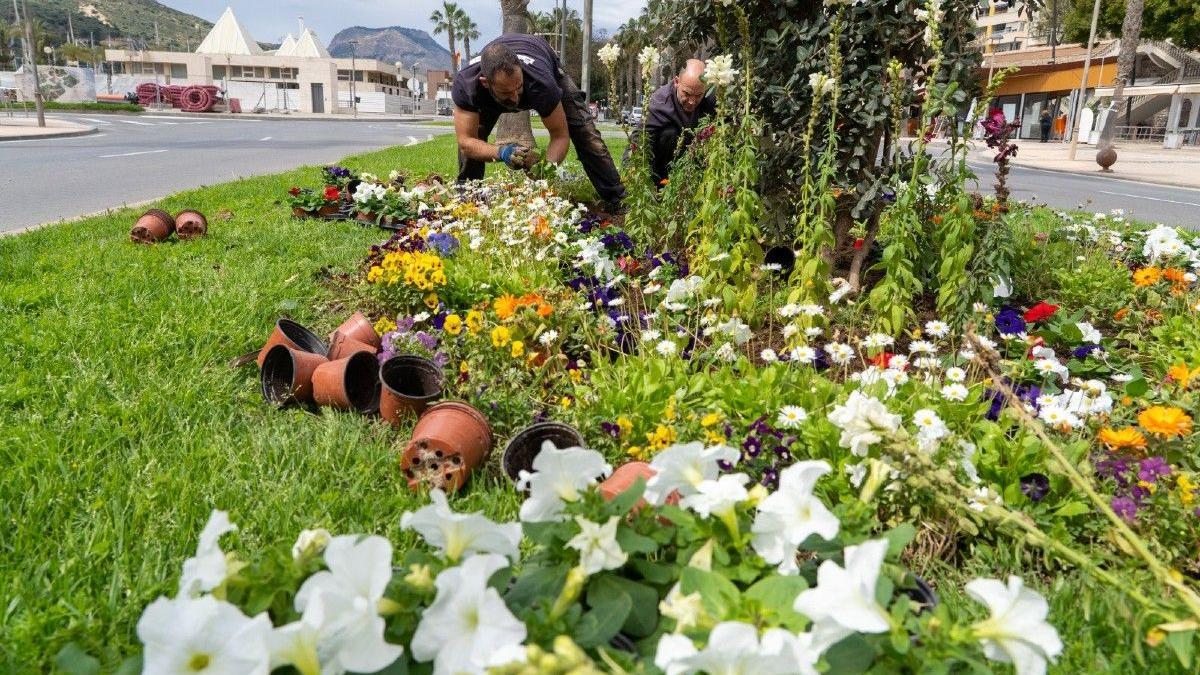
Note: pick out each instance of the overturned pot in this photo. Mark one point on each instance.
(624, 478)
(342, 346)
(524, 447)
(287, 375)
(292, 334)
(410, 384)
(190, 224)
(152, 227)
(359, 327)
(351, 383)
(783, 256)
(451, 440)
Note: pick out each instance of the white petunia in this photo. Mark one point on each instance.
(310, 542)
(468, 622)
(791, 417)
(843, 601)
(718, 497)
(186, 634)
(457, 535)
(558, 477)
(862, 419)
(1017, 631)
(682, 468)
(734, 648)
(597, 545)
(1090, 334)
(207, 569)
(791, 514)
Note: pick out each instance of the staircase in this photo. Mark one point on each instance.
(1186, 68)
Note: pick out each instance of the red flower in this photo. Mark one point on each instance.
(858, 243)
(294, 191)
(1040, 312)
(882, 359)
(331, 193)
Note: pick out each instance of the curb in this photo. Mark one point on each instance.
(61, 134)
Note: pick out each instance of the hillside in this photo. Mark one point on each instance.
(118, 19)
(410, 46)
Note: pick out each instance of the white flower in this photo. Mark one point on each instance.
(981, 497)
(666, 348)
(649, 59)
(686, 610)
(683, 289)
(843, 601)
(821, 84)
(877, 341)
(791, 417)
(734, 648)
(789, 310)
(597, 545)
(651, 335)
(898, 362)
(548, 337)
(938, 329)
(207, 569)
(954, 392)
(736, 329)
(813, 331)
(310, 542)
(457, 535)
(930, 428)
(803, 355)
(769, 356)
(811, 310)
(188, 634)
(468, 622)
(790, 330)
(719, 71)
(609, 54)
(862, 420)
(839, 353)
(1057, 417)
(558, 476)
(652, 288)
(968, 460)
(857, 473)
(841, 288)
(1001, 287)
(682, 468)
(726, 353)
(926, 363)
(791, 514)
(1017, 631)
(1090, 334)
(956, 374)
(342, 606)
(718, 497)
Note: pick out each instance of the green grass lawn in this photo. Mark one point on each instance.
(122, 425)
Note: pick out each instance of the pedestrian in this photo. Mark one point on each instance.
(675, 110)
(1046, 119)
(515, 73)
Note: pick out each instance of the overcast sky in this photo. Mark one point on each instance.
(270, 20)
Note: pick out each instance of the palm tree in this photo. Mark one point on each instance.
(1131, 32)
(469, 30)
(445, 20)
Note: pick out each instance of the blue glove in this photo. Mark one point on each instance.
(506, 153)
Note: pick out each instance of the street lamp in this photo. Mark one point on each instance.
(49, 53)
(353, 74)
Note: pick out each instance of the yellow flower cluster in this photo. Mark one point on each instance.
(1187, 489)
(419, 269)
(661, 438)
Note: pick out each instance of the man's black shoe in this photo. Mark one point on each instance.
(614, 208)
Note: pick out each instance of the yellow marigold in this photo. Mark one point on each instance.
(474, 321)
(518, 348)
(505, 306)
(1167, 422)
(500, 336)
(1174, 275)
(453, 325)
(1147, 276)
(1122, 439)
(1182, 375)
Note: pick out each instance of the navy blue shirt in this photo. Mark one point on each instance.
(540, 67)
(665, 112)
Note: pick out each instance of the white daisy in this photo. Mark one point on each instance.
(791, 417)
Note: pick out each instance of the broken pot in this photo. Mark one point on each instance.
(351, 383)
(152, 227)
(292, 334)
(410, 384)
(527, 443)
(190, 224)
(450, 441)
(287, 374)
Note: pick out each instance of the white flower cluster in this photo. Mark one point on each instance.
(367, 192)
(609, 54)
(719, 71)
(1164, 243)
(821, 84)
(649, 59)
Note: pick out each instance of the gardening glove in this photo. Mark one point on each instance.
(508, 153)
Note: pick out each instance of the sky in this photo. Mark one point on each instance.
(270, 20)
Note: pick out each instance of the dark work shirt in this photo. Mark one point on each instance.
(664, 112)
(540, 66)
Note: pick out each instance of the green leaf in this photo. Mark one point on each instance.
(899, 537)
(632, 542)
(1136, 388)
(643, 615)
(1183, 644)
(73, 660)
(603, 621)
(535, 583)
(654, 572)
(719, 595)
(625, 501)
(850, 656)
(1072, 509)
(130, 666)
(776, 594)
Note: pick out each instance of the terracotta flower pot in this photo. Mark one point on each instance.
(524, 447)
(624, 477)
(365, 217)
(292, 334)
(152, 227)
(348, 384)
(410, 384)
(358, 327)
(329, 210)
(286, 375)
(450, 441)
(190, 224)
(301, 213)
(342, 346)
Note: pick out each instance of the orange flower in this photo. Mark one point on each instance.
(1174, 275)
(541, 228)
(505, 306)
(1167, 422)
(1147, 276)
(545, 309)
(665, 182)
(529, 299)
(1154, 316)
(1122, 439)
(1121, 314)
(937, 220)
(1182, 374)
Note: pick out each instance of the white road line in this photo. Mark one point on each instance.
(94, 121)
(412, 140)
(131, 154)
(140, 124)
(265, 138)
(1153, 199)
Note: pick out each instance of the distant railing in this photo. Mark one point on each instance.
(1139, 134)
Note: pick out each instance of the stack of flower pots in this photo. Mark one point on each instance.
(298, 367)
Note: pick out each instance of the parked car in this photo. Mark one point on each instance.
(634, 117)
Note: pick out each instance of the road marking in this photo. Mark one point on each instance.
(131, 154)
(1153, 199)
(265, 138)
(94, 121)
(140, 124)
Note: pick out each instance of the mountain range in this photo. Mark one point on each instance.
(99, 20)
(409, 46)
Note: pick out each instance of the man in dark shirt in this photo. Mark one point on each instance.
(520, 72)
(677, 107)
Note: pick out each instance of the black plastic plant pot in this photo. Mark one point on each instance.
(920, 592)
(783, 256)
(286, 375)
(527, 443)
(410, 384)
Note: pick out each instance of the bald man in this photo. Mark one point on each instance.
(677, 107)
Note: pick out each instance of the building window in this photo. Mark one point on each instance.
(179, 70)
(218, 72)
(274, 74)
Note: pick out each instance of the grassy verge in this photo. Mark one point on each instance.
(94, 107)
(122, 426)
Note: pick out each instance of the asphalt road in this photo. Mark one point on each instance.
(144, 157)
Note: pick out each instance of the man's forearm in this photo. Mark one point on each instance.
(479, 150)
(557, 151)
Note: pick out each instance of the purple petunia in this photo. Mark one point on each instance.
(1009, 321)
(445, 244)
(1035, 486)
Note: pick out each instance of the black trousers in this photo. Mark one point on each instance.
(661, 146)
(589, 144)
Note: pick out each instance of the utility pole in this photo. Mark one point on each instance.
(562, 27)
(353, 74)
(157, 41)
(1087, 64)
(31, 60)
(586, 69)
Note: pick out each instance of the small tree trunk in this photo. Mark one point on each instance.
(1131, 32)
(515, 127)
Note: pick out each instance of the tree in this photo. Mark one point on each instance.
(1131, 31)
(1174, 20)
(515, 127)
(445, 20)
(468, 30)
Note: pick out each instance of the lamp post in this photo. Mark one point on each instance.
(1087, 65)
(353, 73)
